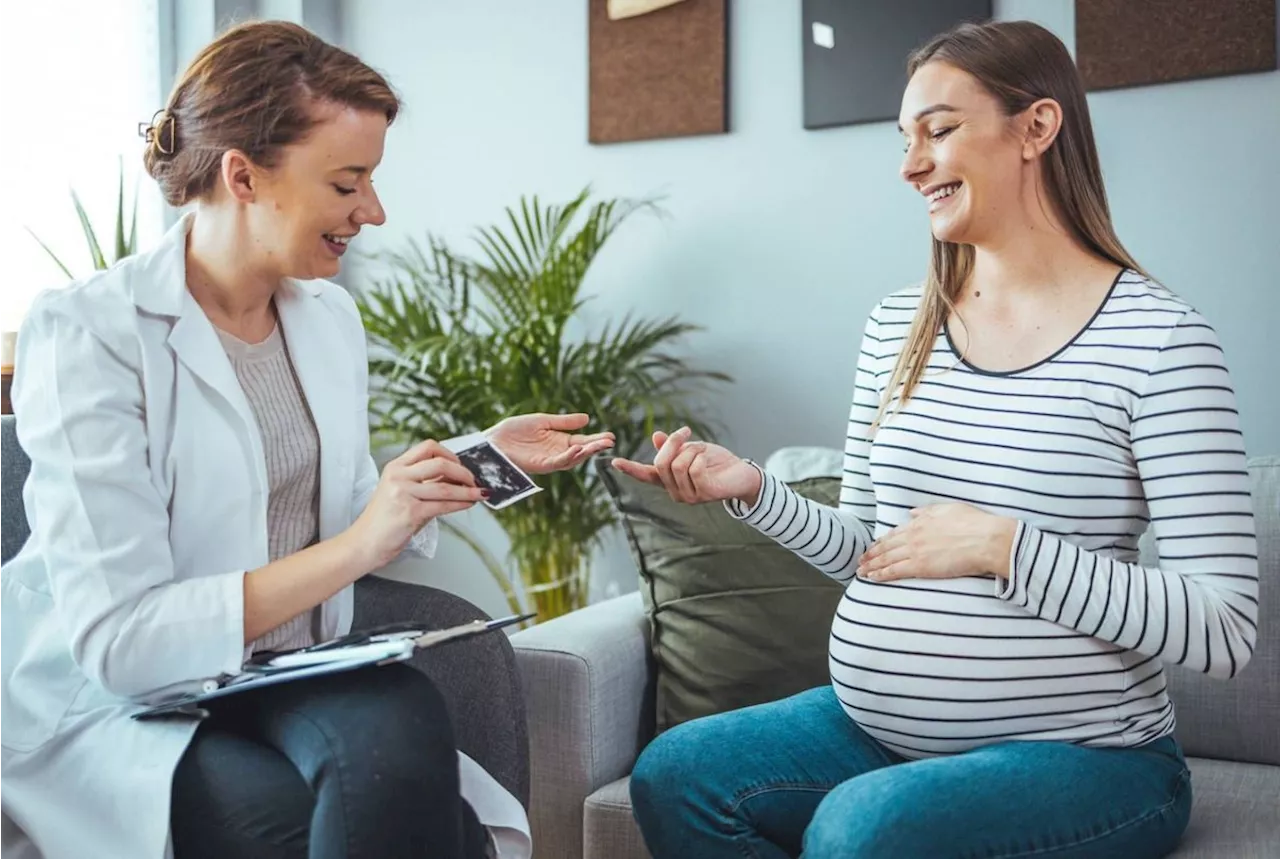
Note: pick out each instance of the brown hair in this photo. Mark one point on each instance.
(253, 89)
(1019, 63)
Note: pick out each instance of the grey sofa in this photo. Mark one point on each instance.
(588, 681)
(477, 676)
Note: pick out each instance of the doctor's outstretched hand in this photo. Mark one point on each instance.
(695, 472)
(541, 444)
(420, 484)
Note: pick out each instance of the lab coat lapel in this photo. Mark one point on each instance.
(160, 288)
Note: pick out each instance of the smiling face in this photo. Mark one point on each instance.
(963, 153)
(303, 211)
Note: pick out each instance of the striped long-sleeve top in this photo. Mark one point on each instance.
(1132, 423)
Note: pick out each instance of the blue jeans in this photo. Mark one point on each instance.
(798, 776)
(361, 764)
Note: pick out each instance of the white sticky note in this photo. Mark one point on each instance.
(824, 35)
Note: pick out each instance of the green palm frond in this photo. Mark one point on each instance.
(95, 250)
(126, 241)
(51, 254)
(460, 341)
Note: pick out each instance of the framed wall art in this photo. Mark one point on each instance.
(855, 53)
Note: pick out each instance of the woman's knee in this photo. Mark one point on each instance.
(861, 821)
(702, 761)
(678, 763)
(405, 689)
(230, 794)
(411, 708)
(393, 717)
(653, 774)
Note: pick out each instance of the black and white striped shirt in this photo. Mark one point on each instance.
(1132, 422)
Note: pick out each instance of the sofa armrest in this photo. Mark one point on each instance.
(588, 689)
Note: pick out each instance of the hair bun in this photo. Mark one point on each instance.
(161, 133)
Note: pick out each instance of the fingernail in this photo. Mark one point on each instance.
(485, 493)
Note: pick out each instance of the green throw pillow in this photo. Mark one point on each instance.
(735, 618)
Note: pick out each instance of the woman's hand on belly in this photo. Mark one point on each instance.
(942, 541)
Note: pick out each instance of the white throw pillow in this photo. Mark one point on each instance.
(790, 464)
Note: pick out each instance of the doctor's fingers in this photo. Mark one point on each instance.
(425, 450)
(438, 490)
(438, 469)
(428, 510)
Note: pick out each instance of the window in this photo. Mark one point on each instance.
(78, 78)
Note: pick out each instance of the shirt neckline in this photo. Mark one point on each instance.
(241, 349)
(1106, 299)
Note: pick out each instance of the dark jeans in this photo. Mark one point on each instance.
(797, 776)
(361, 764)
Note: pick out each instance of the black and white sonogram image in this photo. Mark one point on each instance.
(506, 483)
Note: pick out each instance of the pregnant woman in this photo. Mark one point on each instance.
(997, 662)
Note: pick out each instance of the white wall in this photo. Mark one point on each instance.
(780, 240)
(78, 78)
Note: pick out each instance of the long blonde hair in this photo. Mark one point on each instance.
(1019, 63)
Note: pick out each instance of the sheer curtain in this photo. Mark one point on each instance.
(79, 75)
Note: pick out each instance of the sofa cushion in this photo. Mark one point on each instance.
(14, 466)
(1237, 719)
(735, 619)
(1233, 812)
(608, 829)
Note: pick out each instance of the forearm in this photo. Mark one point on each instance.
(292, 585)
(1206, 620)
(829, 539)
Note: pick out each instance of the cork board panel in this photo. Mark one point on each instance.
(1124, 43)
(661, 74)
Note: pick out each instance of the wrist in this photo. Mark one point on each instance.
(751, 497)
(352, 552)
(1000, 545)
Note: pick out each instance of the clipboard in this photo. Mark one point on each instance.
(379, 646)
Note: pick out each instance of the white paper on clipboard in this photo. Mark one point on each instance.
(348, 653)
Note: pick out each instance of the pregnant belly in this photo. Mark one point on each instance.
(935, 667)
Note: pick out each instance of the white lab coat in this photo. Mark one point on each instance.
(148, 502)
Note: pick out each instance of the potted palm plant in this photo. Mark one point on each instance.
(459, 342)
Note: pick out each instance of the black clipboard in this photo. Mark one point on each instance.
(379, 646)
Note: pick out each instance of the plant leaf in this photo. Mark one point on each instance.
(122, 247)
(95, 252)
(131, 246)
(51, 254)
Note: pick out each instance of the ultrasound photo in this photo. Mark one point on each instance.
(506, 483)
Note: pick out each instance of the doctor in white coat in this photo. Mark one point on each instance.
(201, 486)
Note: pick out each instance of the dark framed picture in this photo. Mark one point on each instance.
(855, 53)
